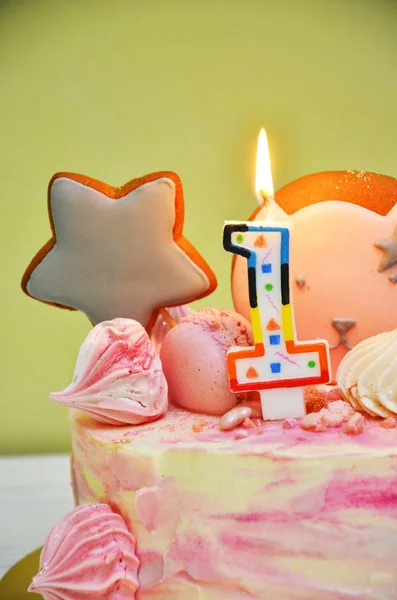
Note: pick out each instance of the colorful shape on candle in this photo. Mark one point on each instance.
(272, 325)
(266, 268)
(117, 251)
(240, 239)
(273, 304)
(269, 287)
(260, 242)
(252, 373)
(311, 364)
(266, 255)
(274, 340)
(275, 367)
(285, 357)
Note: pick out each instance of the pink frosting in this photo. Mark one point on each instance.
(89, 554)
(194, 359)
(118, 377)
(161, 327)
(280, 513)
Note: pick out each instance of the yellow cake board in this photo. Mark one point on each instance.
(14, 584)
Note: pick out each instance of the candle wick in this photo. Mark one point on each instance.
(266, 203)
(265, 197)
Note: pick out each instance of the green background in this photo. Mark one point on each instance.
(116, 89)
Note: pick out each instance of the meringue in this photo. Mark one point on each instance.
(367, 376)
(89, 554)
(118, 377)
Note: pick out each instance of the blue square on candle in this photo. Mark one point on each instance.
(267, 268)
(274, 340)
(275, 367)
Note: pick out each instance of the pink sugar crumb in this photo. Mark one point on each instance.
(342, 408)
(389, 423)
(321, 421)
(248, 424)
(313, 422)
(315, 399)
(331, 419)
(332, 395)
(198, 426)
(355, 425)
(290, 424)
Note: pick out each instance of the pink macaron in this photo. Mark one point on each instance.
(193, 355)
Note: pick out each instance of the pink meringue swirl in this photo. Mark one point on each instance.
(118, 377)
(89, 554)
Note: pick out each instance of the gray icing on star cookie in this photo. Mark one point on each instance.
(117, 252)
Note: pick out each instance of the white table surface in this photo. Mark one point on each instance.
(35, 493)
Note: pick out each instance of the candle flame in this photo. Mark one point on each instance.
(263, 175)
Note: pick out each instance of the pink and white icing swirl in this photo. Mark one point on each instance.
(367, 375)
(118, 377)
(89, 554)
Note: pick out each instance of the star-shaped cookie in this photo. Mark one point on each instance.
(117, 252)
(389, 247)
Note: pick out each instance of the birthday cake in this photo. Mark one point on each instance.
(184, 488)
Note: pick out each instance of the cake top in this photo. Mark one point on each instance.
(118, 254)
(180, 430)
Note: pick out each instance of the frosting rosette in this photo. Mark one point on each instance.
(367, 375)
(89, 554)
(118, 377)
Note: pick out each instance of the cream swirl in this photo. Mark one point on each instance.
(367, 375)
(89, 554)
(118, 377)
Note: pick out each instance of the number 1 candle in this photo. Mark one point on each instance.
(277, 366)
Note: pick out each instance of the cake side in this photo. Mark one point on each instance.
(274, 513)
